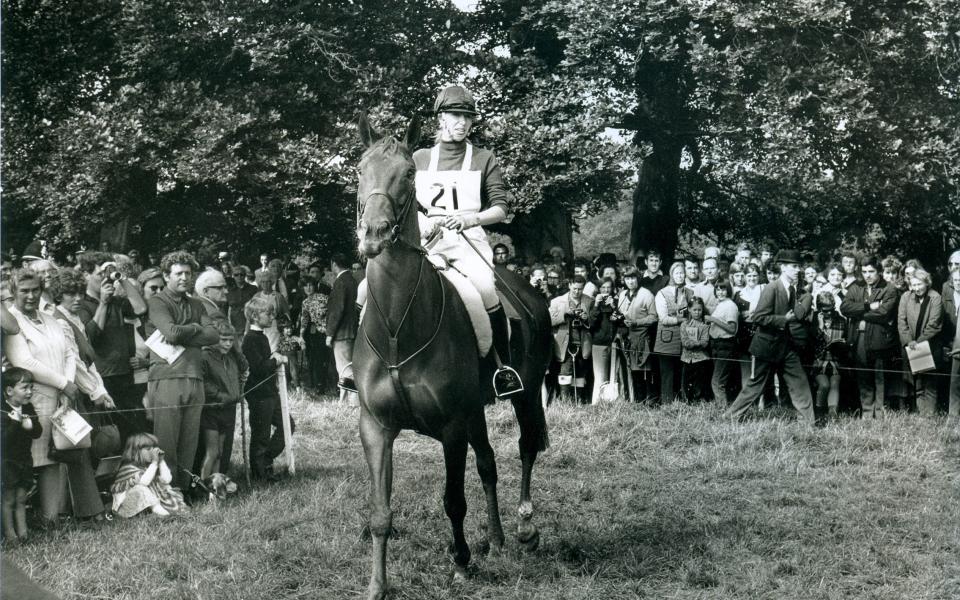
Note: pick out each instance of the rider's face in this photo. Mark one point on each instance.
(455, 127)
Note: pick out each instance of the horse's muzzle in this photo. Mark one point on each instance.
(375, 240)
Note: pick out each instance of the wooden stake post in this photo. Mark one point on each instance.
(285, 417)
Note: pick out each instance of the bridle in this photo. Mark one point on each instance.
(392, 360)
(399, 216)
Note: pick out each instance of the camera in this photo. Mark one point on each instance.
(577, 320)
(616, 315)
(111, 273)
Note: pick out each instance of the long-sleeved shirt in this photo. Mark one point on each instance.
(221, 377)
(695, 338)
(262, 382)
(183, 322)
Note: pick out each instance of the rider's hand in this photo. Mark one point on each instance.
(454, 222)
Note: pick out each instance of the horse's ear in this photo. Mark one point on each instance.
(368, 135)
(412, 137)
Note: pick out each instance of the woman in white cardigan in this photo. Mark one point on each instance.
(42, 348)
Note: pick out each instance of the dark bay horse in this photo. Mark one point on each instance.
(416, 362)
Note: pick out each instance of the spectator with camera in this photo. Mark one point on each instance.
(569, 316)
(538, 279)
(604, 320)
(111, 303)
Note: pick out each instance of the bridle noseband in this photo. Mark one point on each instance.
(399, 216)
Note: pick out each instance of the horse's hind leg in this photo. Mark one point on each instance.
(487, 468)
(378, 449)
(454, 502)
(533, 439)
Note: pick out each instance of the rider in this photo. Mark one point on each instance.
(460, 189)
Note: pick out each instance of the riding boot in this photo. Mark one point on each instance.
(506, 381)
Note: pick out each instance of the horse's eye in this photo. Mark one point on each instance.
(411, 173)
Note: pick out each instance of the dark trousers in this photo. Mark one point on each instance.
(130, 416)
(696, 381)
(670, 368)
(317, 359)
(266, 434)
(176, 422)
(796, 380)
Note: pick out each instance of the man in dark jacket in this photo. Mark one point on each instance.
(871, 306)
(342, 320)
(773, 345)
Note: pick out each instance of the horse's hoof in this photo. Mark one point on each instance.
(528, 536)
(460, 576)
(377, 594)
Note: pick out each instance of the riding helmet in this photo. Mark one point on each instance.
(455, 99)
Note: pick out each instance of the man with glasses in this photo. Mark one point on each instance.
(501, 254)
(211, 291)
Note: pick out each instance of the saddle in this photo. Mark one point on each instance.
(471, 301)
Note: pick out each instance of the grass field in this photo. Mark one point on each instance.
(631, 503)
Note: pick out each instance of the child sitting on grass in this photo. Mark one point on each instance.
(221, 390)
(143, 480)
(20, 427)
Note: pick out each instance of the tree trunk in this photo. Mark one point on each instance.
(656, 212)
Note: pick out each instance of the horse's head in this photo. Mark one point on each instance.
(385, 192)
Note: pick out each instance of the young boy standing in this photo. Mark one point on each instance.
(221, 388)
(20, 428)
(263, 397)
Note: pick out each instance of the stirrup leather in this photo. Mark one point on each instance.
(506, 382)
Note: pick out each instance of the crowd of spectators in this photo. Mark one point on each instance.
(163, 349)
(157, 357)
(841, 333)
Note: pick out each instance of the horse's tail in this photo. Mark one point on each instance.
(537, 343)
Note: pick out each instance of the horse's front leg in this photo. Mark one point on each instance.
(378, 449)
(454, 502)
(487, 469)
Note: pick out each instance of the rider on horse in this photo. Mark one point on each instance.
(460, 189)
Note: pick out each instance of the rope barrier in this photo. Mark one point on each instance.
(633, 352)
(159, 408)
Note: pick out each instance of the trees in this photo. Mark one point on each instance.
(808, 122)
(205, 122)
(813, 123)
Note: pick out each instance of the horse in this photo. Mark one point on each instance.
(416, 362)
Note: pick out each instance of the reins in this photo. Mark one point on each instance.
(394, 362)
